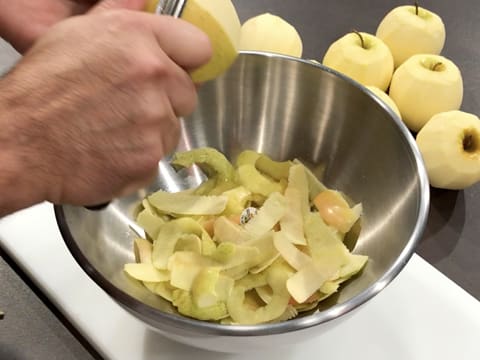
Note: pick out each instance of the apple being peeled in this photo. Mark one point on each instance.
(410, 30)
(450, 147)
(270, 33)
(363, 57)
(219, 21)
(426, 85)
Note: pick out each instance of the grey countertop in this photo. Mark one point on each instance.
(33, 329)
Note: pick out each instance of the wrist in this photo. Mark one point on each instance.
(20, 179)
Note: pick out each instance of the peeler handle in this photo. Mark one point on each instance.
(170, 7)
(97, 207)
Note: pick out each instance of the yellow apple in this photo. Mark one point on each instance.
(363, 57)
(270, 33)
(409, 30)
(386, 99)
(219, 20)
(450, 146)
(426, 85)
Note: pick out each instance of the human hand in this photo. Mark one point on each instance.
(22, 22)
(92, 107)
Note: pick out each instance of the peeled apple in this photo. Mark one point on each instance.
(408, 31)
(426, 85)
(270, 33)
(363, 57)
(219, 20)
(386, 99)
(450, 147)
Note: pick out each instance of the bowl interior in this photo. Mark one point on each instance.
(287, 109)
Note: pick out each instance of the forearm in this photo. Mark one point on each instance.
(15, 190)
(22, 22)
(11, 27)
(20, 183)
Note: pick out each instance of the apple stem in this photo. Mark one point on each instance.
(437, 66)
(361, 37)
(416, 7)
(469, 143)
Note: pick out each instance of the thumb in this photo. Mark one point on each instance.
(118, 4)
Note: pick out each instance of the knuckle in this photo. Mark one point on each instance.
(152, 113)
(145, 164)
(151, 67)
(156, 108)
(158, 143)
(150, 164)
(117, 18)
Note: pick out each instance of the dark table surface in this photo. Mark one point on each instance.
(33, 329)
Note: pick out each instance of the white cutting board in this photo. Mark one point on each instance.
(421, 315)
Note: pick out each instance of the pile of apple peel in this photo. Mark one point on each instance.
(258, 242)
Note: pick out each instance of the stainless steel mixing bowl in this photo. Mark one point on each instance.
(286, 108)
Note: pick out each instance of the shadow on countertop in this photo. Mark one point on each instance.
(445, 225)
(155, 344)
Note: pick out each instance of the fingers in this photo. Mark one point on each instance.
(188, 48)
(118, 4)
(183, 42)
(185, 45)
(182, 93)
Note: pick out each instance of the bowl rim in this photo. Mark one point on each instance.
(145, 311)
